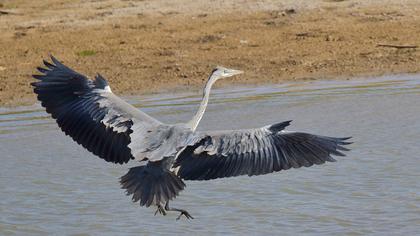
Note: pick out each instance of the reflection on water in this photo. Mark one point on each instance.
(50, 185)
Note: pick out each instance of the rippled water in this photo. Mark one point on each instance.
(50, 185)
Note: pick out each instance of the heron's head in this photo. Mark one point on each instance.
(222, 72)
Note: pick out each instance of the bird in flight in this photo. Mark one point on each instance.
(92, 115)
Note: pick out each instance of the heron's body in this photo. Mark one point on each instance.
(117, 132)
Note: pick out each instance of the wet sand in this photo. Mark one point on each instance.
(156, 46)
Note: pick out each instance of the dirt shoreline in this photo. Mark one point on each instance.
(143, 47)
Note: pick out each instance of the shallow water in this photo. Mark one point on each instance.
(50, 185)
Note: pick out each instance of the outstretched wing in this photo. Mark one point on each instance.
(254, 152)
(91, 114)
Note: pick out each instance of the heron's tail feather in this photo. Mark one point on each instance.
(151, 185)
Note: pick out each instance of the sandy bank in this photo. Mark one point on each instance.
(153, 46)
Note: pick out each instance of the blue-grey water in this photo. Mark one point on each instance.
(51, 186)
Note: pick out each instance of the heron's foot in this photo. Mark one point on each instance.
(183, 212)
(161, 210)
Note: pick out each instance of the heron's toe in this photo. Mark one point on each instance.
(161, 210)
(186, 214)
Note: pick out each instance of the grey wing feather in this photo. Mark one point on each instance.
(254, 152)
(90, 113)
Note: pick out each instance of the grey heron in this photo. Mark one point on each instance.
(93, 116)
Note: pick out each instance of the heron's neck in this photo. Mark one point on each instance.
(206, 94)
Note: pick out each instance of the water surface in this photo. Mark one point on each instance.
(50, 185)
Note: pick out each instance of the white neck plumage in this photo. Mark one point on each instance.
(206, 94)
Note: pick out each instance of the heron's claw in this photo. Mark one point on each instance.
(161, 210)
(186, 214)
(183, 212)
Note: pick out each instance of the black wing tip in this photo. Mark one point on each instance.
(55, 60)
(42, 70)
(340, 146)
(342, 141)
(345, 138)
(46, 62)
(48, 69)
(331, 159)
(38, 77)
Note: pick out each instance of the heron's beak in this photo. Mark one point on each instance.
(233, 72)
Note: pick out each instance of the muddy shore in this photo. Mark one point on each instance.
(154, 46)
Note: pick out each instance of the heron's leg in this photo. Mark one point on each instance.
(183, 212)
(160, 209)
